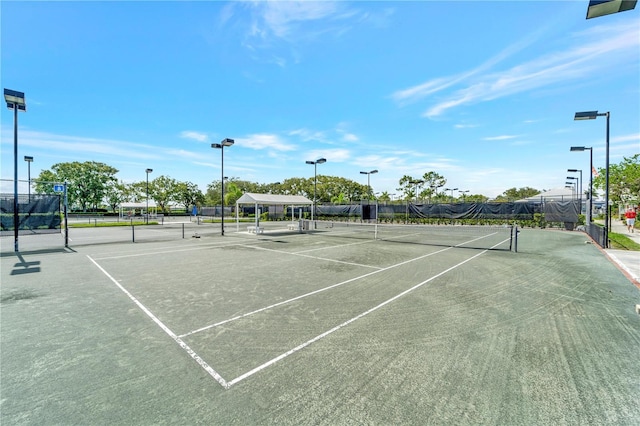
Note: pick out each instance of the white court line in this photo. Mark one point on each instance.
(336, 246)
(310, 293)
(344, 324)
(166, 329)
(207, 327)
(311, 257)
(169, 251)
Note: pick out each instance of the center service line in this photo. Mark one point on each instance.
(359, 277)
(166, 329)
(344, 324)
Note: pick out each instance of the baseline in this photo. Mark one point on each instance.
(201, 362)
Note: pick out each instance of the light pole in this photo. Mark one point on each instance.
(29, 160)
(580, 149)
(463, 193)
(580, 183)
(369, 180)
(451, 189)
(15, 101)
(225, 142)
(416, 183)
(315, 179)
(572, 178)
(574, 185)
(148, 171)
(592, 115)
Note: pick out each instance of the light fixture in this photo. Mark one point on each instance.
(592, 115)
(225, 143)
(15, 101)
(315, 180)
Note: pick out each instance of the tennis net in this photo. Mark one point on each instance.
(490, 237)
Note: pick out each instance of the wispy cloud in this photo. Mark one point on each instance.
(283, 26)
(333, 155)
(597, 50)
(75, 145)
(264, 141)
(499, 138)
(307, 135)
(350, 137)
(198, 136)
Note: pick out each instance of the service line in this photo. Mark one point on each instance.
(344, 324)
(166, 329)
(207, 327)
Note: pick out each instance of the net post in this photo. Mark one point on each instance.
(515, 242)
(511, 238)
(133, 232)
(183, 231)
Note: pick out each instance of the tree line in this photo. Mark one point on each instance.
(92, 185)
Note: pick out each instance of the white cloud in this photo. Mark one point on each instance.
(309, 135)
(598, 50)
(332, 155)
(350, 137)
(264, 141)
(190, 134)
(499, 138)
(281, 17)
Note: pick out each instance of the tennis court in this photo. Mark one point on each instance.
(320, 327)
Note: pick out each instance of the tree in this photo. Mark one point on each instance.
(432, 181)
(115, 194)
(385, 196)
(86, 182)
(476, 198)
(231, 193)
(43, 184)
(188, 195)
(424, 187)
(513, 194)
(624, 180)
(339, 199)
(409, 187)
(163, 190)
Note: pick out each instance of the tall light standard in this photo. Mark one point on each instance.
(369, 180)
(225, 142)
(463, 193)
(579, 184)
(592, 115)
(580, 149)
(148, 171)
(29, 160)
(451, 189)
(416, 183)
(315, 179)
(15, 101)
(573, 178)
(573, 185)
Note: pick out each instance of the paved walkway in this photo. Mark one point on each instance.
(627, 260)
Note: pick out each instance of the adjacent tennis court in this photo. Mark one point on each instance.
(334, 325)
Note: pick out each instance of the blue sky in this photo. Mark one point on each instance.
(483, 93)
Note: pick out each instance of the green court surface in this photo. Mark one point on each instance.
(308, 328)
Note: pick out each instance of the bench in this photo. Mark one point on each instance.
(293, 227)
(255, 229)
